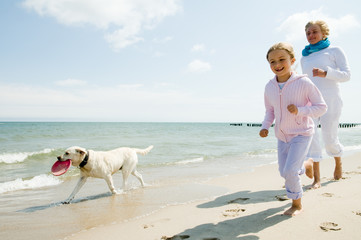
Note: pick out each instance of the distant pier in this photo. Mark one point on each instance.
(341, 125)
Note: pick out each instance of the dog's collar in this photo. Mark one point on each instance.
(85, 160)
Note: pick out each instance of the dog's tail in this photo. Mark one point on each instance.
(143, 151)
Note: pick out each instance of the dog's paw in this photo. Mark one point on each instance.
(118, 191)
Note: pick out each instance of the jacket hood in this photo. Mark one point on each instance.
(294, 77)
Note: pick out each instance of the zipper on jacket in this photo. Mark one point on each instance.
(280, 95)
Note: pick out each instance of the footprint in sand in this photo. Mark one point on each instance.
(175, 237)
(282, 197)
(334, 180)
(353, 172)
(150, 225)
(238, 200)
(358, 213)
(211, 239)
(328, 194)
(233, 212)
(145, 226)
(330, 226)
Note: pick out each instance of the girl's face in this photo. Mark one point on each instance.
(314, 34)
(280, 62)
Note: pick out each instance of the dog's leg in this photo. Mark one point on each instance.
(109, 180)
(125, 174)
(81, 182)
(139, 176)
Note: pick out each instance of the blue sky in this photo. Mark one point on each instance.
(157, 60)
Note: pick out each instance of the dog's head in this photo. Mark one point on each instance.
(75, 154)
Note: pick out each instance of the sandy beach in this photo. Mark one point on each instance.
(251, 210)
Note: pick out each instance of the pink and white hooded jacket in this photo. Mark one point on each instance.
(300, 91)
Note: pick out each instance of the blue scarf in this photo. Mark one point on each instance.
(311, 48)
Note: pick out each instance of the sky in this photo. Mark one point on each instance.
(158, 60)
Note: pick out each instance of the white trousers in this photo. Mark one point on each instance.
(291, 156)
(329, 130)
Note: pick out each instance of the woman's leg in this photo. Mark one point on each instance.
(329, 127)
(337, 174)
(315, 153)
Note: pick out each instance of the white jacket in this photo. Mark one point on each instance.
(332, 60)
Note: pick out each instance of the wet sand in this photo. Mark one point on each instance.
(43, 216)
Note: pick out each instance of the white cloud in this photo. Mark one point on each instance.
(124, 37)
(199, 66)
(71, 82)
(201, 48)
(122, 20)
(295, 23)
(198, 48)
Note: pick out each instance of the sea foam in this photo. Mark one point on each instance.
(19, 157)
(34, 183)
(188, 161)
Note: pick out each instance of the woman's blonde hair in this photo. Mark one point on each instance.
(282, 46)
(323, 26)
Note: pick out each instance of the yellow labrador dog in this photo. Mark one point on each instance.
(103, 165)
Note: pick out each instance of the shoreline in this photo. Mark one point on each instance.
(250, 210)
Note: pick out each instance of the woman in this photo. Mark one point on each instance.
(327, 67)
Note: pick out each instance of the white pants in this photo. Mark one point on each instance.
(329, 130)
(291, 156)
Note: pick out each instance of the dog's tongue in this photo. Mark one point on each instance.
(60, 167)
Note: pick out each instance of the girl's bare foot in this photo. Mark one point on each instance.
(292, 211)
(338, 169)
(295, 209)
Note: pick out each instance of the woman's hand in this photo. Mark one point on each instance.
(263, 133)
(319, 72)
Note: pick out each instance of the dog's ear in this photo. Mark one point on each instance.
(81, 151)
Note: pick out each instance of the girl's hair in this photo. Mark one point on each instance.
(282, 46)
(323, 25)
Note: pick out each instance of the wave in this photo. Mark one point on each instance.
(263, 153)
(352, 148)
(184, 162)
(180, 162)
(34, 183)
(19, 157)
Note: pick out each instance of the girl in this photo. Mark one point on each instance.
(291, 100)
(326, 66)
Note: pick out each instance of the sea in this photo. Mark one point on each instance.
(184, 158)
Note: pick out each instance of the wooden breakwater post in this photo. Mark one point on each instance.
(341, 125)
(248, 124)
(348, 125)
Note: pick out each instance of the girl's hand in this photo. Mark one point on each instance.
(263, 133)
(319, 72)
(292, 109)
